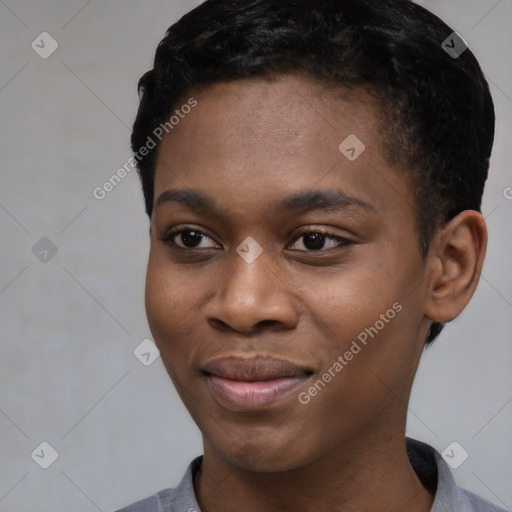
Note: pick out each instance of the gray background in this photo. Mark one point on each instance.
(69, 325)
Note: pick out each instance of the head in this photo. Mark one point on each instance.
(262, 96)
(438, 112)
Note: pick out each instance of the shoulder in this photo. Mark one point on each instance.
(150, 504)
(177, 499)
(477, 503)
(167, 500)
(436, 475)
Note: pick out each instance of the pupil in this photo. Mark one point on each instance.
(317, 240)
(190, 237)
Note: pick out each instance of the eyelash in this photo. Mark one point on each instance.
(167, 239)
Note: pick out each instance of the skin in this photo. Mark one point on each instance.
(247, 145)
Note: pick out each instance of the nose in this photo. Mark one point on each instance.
(250, 296)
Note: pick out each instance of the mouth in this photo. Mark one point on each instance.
(252, 384)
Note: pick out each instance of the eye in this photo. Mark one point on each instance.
(313, 240)
(316, 240)
(188, 238)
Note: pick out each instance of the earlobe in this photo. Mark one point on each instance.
(457, 254)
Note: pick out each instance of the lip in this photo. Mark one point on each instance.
(252, 383)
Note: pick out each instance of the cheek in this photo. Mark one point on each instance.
(366, 362)
(168, 299)
(170, 289)
(369, 317)
(343, 302)
(174, 298)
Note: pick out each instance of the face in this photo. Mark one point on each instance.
(285, 286)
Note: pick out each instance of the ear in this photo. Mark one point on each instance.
(456, 258)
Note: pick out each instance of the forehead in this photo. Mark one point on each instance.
(287, 111)
(285, 134)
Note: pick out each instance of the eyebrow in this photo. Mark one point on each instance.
(327, 201)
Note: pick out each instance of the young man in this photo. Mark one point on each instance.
(313, 173)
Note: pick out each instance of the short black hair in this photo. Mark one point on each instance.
(438, 107)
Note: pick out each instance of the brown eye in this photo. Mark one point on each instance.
(320, 240)
(187, 238)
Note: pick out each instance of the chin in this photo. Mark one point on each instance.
(268, 455)
(257, 461)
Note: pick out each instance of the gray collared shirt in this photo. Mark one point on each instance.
(428, 463)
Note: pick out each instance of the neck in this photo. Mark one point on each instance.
(362, 473)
